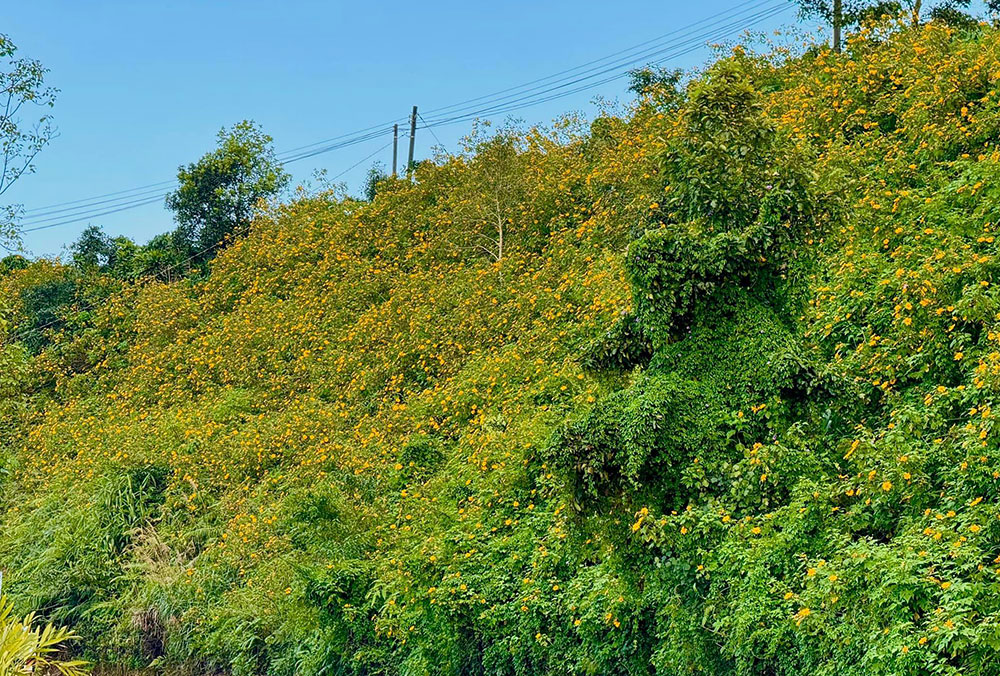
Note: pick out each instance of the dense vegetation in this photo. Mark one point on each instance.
(706, 387)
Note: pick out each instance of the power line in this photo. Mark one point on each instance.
(532, 101)
(361, 161)
(133, 205)
(431, 130)
(122, 196)
(555, 76)
(558, 85)
(147, 275)
(689, 44)
(110, 194)
(143, 199)
(163, 184)
(38, 217)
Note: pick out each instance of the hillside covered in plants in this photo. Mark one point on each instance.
(705, 387)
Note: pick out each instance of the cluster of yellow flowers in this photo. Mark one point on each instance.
(355, 391)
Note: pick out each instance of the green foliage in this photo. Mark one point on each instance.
(45, 307)
(27, 648)
(13, 262)
(93, 249)
(23, 93)
(624, 346)
(657, 83)
(101, 257)
(376, 174)
(724, 404)
(738, 198)
(221, 193)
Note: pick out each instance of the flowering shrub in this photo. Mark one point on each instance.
(721, 404)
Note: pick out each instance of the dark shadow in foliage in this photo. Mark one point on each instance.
(420, 458)
(46, 307)
(376, 174)
(711, 320)
(622, 348)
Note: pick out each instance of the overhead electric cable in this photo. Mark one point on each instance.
(564, 83)
(542, 83)
(689, 44)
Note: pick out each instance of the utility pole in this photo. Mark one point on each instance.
(395, 147)
(838, 17)
(413, 136)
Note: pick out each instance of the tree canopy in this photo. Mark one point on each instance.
(221, 193)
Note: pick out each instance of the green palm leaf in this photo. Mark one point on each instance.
(27, 649)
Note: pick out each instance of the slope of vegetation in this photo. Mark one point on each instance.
(705, 388)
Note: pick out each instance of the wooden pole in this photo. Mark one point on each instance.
(838, 17)
(395, 147)
(413, 136)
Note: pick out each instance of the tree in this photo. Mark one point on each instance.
(47, 308)
(220, 194)
(160, 258)
(22, 90)
(495, 188)
(846, 13)
(840, 14)
(93, 250)
(12, 262)
(376, 174)
(655, 80)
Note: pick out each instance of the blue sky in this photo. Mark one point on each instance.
(145, 86)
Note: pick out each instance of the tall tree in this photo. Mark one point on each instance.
(841, 14)
(495, 187)
(376, 174)
(221, 193)
(93, 250)
(25, 126)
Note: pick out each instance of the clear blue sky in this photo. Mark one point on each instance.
(145, 86)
